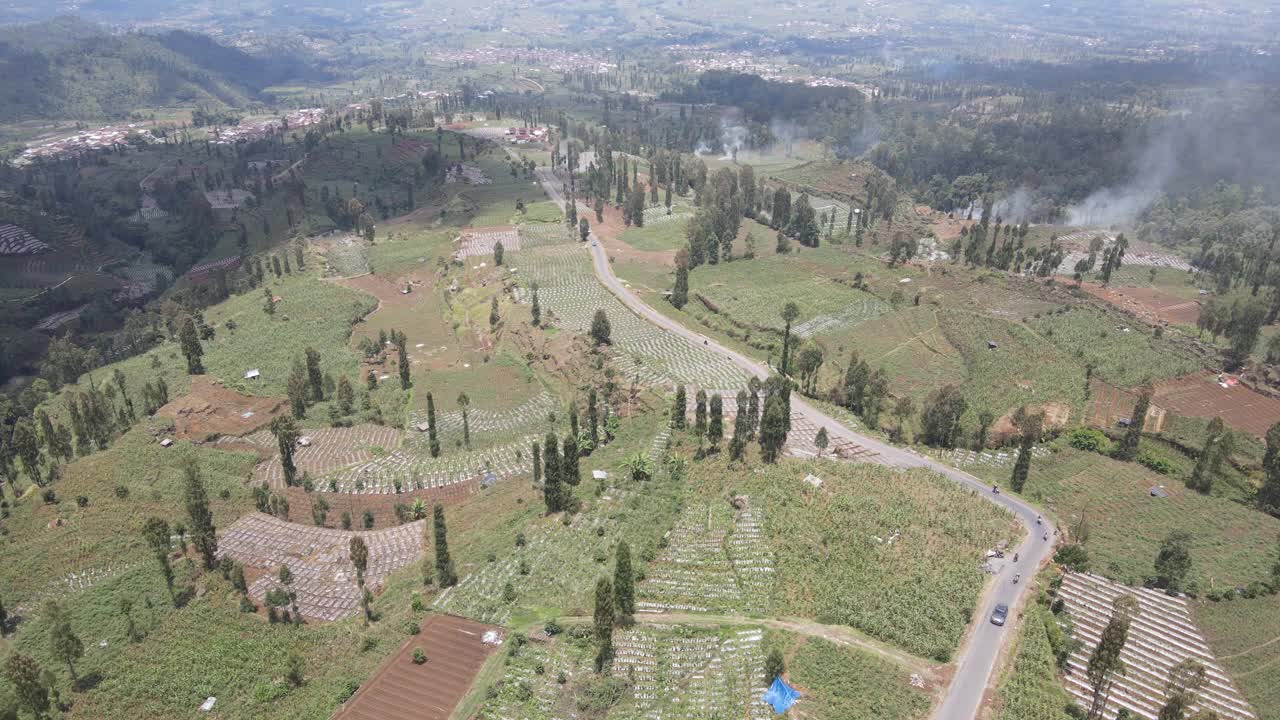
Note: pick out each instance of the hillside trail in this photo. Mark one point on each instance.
(984, 642)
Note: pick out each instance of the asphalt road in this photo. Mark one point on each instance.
(984, 642)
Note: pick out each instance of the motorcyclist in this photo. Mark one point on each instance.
(1016, 578)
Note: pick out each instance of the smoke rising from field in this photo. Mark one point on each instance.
(732, 137)
(1123, 204)
(1231, 136)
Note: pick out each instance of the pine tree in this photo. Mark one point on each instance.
(537, 308)
(681, 404)
(552, 490)
(63, 641)
(494, 316)
(1029, 426)
(464, 401)
(432, 437)
(191, 349)
(1128, 448)
(624, 583)
(203, 533)
(27, 678)
(296, 390)
(700, 413)
(444, 563)
(1210, 457)
(593, 417)
(603, 619)
(346, 396)
(715, 423)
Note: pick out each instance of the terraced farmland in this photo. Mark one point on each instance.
(569, 292)
(1161, 635)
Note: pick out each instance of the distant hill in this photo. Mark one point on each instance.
(70, 69)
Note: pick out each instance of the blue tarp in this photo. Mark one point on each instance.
(780, 696)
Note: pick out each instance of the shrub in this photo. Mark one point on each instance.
(1156, 462)
(552, 628)
(1073, 557)
(82, 501)
(411, 628)
(122, 491)
(1089, 439)
(419, 656)
(49, 496)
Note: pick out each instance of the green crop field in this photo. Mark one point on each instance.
(1030, 689)
(894, 554)
(1024, 368)
(846, 683)
(667, 235)
(1123, 353)
(1243, 634)
(1232, 544)
(754, 291)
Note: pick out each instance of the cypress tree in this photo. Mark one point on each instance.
(1105, 663)
(680, 293)
(715, 424)
(203, 534)
(286, 432)
(551, 488)
(681, 404)
(569, 470)
(537, 462)
(700, 413)
(624, 583)
(191, 349)
(773, 428)
(1269, 493)
(1128, 448)
(432, 436)
(156, 532)
(444, 563)
(593, 417)
(603, 623)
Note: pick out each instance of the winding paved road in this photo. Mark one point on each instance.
(984, 641)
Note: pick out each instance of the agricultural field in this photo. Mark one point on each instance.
(1023, 368)
(1243, 634)
(550, 564)
(687, 672)
(1200, 395)
(853, 551)
(664, 235)
(1232, 544)
(753, 291)
(1124, 354)
(569, 295)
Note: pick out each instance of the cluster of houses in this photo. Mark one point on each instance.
(549, 58)
(103, 138)
(525, 135)
(258, 129)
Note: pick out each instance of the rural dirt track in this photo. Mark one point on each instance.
(430, 691)
(984, 642)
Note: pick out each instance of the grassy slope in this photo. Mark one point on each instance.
(846, 683)
(1245, 636)
(1232, 543)
(1030, 688)
(916, 592)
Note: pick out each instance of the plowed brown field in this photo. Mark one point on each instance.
(401, 689)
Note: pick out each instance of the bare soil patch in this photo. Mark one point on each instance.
(455, 652)
(210, 410)
(1148, 304)
(1056, 416)
(1109, 404)
(608, 232)
(1199, 395)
